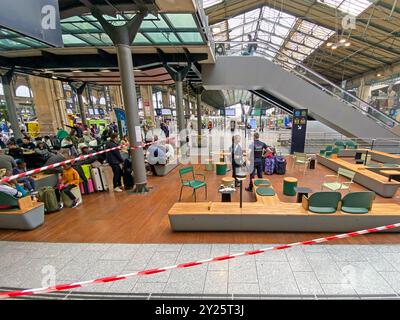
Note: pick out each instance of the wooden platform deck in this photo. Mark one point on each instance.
(127, 218)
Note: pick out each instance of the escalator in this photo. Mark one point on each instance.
(265, 96)
(300, 89)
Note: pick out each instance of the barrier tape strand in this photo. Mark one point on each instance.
(80, 158)
(67, 286)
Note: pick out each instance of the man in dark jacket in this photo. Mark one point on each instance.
(115, 160)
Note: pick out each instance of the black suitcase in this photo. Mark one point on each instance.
(280, 165)
(127, 174)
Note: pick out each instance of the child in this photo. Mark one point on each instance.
(29, 183)
(70, 180)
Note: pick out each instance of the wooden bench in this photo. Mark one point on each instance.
(376, 155)
(29, 215)
(270, 214)
(367, 178)
(45, 180)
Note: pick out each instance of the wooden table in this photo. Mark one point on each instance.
(391, 173)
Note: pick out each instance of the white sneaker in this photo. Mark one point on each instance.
(118, 189)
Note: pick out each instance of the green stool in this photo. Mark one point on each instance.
(262, 183)
(221, 168)
(288, 186)
(265, 191)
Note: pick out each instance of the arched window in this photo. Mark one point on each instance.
(23, 91)
(102, 101)
(94, 100)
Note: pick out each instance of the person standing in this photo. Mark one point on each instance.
(257, 150)
(6, 162)
(115, 160)
(237, 157)
(164, 129)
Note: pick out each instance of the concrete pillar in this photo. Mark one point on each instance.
(49, 103)
(10, 103)
(146, 93)
(132, 115)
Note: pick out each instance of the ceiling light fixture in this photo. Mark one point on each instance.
(77, 70)
(105, 70)
(341, 43)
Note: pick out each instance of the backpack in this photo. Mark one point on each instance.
(280, 165)
(127, 174)
(269, 167)
(47, 195)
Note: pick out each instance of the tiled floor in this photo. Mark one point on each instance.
(321, 270)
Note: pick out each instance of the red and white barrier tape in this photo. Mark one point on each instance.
(67, 286)
(80, 158)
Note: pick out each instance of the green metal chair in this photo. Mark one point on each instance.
(351, 145)
(324, 151)
(336, 183)
(322, 202)
(340, 144)
(358, 202)
(193, 183)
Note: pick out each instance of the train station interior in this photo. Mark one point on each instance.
(199, 149)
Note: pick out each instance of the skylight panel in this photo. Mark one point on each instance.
(353, 7)
(209, 3)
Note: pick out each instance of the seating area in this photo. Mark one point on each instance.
(321, 212)
(373, 181)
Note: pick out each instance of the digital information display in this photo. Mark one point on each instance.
(299, 129)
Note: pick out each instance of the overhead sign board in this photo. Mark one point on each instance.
(38, 19)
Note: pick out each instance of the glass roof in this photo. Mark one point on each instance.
(209, 3)
(279, 35)
(164, 29)
(353, 7)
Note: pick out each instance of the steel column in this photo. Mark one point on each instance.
(81, 105)
(198, 97)
(10, 103)
(180, 116)
(132, 115)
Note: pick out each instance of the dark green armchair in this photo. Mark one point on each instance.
(193, 182)
(8, 201)
(322, 202)
(358, 202)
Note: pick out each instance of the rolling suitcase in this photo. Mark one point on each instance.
(127, 174)
(86, 187)
(269, 167)
(106, 177)
(86, 170)
(100, 182)
(280, 165)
